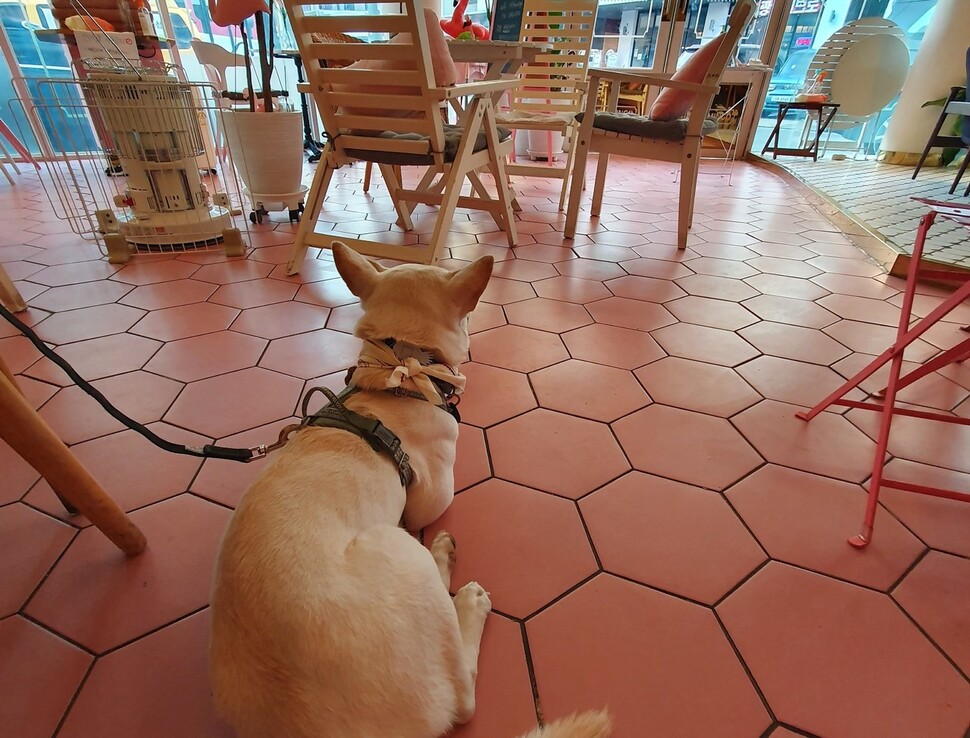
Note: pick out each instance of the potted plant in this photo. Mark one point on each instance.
(266, 140)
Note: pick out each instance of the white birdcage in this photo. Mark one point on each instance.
(160, 185)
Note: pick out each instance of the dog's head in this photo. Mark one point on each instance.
(424, 306)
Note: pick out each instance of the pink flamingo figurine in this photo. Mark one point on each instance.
(461, 23)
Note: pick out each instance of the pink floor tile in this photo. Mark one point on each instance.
(794, 382)
(185, 321)
(98, 358)
(311, 354)
(694, 385)
(497, 526)
(536, 449)
(811, 641)
(868, 338)
(30, 543)
(517, 348)
(627, 313)
(934, 595)
(39, 677)
(923, 441)
(588, 390)
(828, 445)
(677, 444)
(547, 315)
(281, 319)
(933, 391)
(805, 520)
(786, 286)
(63, 274)
(493, 394)
(346, 317)
(504, 705)
(646, 656)
(710, 312)
(253, 293)
(504, 291)
(646, 289)
(131, 596)
(588, 269)
(522, 269)
(721, 288)
(206, 356)
(73, 296)
(486, 316)
(75, 416)
(121, 696)
(245, 399)
(471, 458)
(152, 272)
(791, 311)
(168, 294)
(236, 270)
(85, 323)
(671, 536)
(701, 343)
(862, 309)
(794, 342)
(330, 293)
(613, 346)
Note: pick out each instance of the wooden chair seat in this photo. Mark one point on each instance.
(640, 126)
(452, 136)
(536, 121)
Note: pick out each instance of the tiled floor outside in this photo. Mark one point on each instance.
(659, 533)
(880, 197)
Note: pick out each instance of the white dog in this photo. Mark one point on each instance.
(329, 620)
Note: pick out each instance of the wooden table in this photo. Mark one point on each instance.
(502, 58)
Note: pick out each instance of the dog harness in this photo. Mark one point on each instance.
(439, 384)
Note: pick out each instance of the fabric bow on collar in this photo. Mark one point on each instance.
(378, 365)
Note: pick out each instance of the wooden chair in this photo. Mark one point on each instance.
(642, 138)
(554, 87)
(9, 294)
(360, 108)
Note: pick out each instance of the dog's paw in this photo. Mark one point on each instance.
(443, 549)
(472, 599)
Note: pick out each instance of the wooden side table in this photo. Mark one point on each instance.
(825, 110)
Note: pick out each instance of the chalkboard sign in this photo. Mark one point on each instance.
(507, 20)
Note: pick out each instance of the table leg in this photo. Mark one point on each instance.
(308, 143)
(30, 437)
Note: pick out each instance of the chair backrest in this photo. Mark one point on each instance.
(555, 82)
(217, 57)
(736, 24)
(390, 86)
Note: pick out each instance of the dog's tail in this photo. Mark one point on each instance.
(583, 725)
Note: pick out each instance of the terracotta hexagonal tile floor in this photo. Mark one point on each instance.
(498, 526)
(130, 597)
(517, 348)
(245, 399)
(535, 449)
(671, 536)
(493, 394)
(616, 326)
(661, 664)
(934, 595)
(835, 659)
(589, 390)
(40, 676)
(171, 661)
(805, 520)
(828, 445)
(679, 444)
(694, 385)
(613, 346)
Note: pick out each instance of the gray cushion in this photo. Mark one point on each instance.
(643, 127)
(453, 136)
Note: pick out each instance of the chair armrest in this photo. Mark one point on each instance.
(649, 79)
(482, 87)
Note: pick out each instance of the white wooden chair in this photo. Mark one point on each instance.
(393, 118)
(554, 86)
(640, 137)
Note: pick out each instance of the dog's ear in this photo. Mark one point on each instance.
(467, 284)
(358, 272)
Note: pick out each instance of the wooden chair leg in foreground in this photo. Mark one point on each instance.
(27, 434)
(9, 296)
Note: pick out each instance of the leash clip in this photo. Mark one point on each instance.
(257, 452)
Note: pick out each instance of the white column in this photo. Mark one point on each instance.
(939, 65)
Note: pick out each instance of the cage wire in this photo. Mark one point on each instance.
(136, 167)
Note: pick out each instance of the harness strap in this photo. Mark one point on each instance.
(378, 436)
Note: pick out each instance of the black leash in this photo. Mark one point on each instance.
(207, 451)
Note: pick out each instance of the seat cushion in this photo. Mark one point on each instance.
(672, 104)
(643, 127)
(453, 136)
(534, 119)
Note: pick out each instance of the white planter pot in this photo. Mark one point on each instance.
(266, 149)
(539, 144)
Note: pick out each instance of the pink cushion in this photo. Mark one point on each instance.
(673, 104)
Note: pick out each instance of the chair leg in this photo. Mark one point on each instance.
(963, 169)
(497, 166)
(576, 186)
(10, 296)
(685, 203)
(568, 167)
(600, 184)
(936, 132)
(394, 189)
(30, 437)
(367, 173)
(313, 206)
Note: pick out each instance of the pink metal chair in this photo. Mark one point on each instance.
(905, 335)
